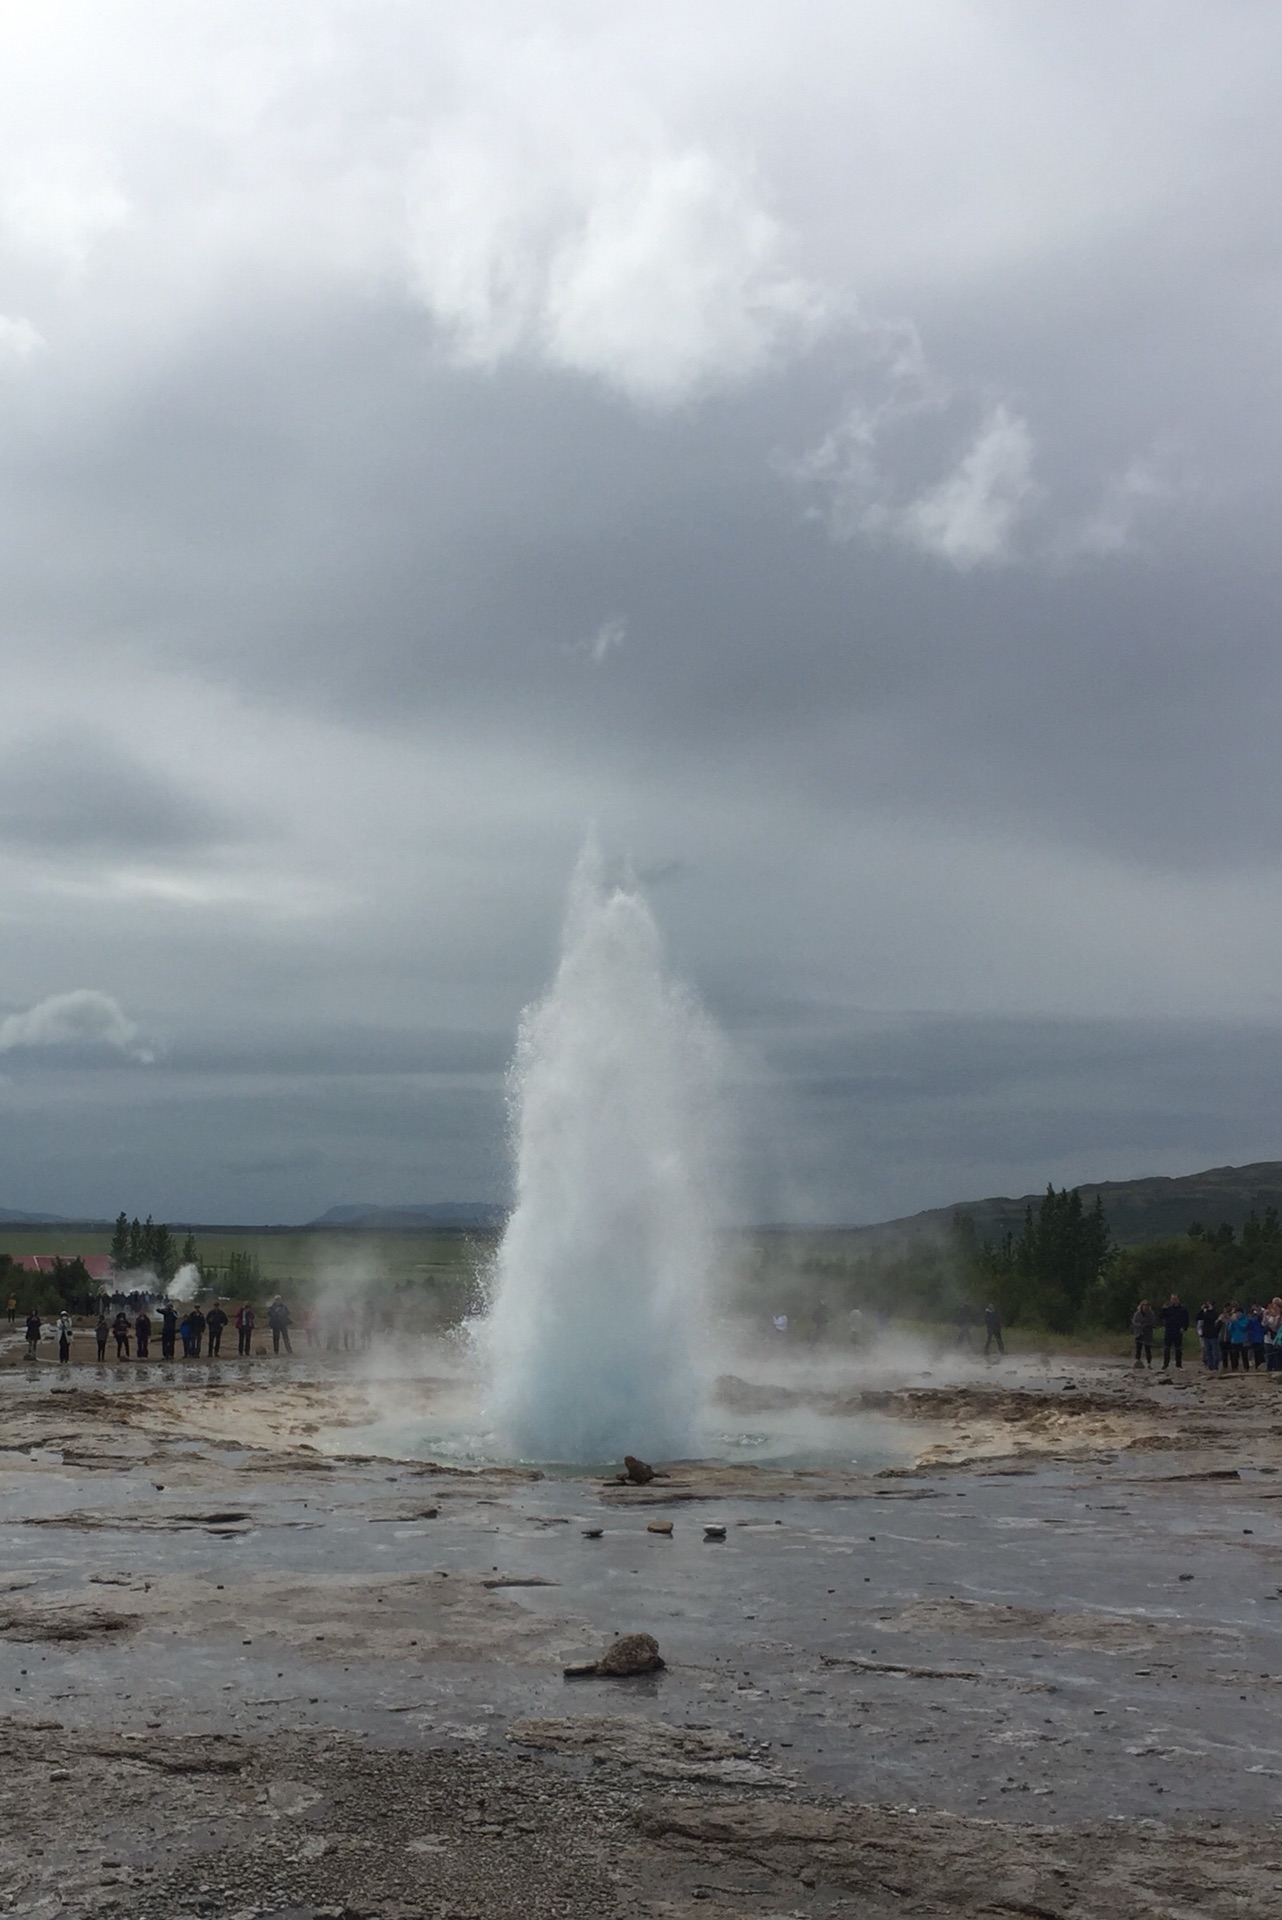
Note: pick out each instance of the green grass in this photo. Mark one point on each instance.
(432, 1273)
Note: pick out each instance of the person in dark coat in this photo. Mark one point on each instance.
(101, 1333)
(120, 1327)
(196, 1321)
(1175, 1319)
(215, 1321)
(142, 1333)
(33, 1333)
(992, 1331)
(168, 1330)
(278, 1320)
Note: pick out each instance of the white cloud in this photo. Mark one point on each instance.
(61, 201)
(569, 225)
(82, 1018)
(970, 518)
(607, 639)
(867, 468)
(1129, 501)
(18, 339)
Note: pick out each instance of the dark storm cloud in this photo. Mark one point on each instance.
(833, 450)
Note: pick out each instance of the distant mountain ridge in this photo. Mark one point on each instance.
(1147, 1209)
(476, 1215)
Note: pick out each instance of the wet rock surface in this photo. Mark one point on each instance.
(1037, 1680)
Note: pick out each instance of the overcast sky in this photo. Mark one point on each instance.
(830, 448)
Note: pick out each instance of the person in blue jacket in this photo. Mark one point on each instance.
(1235, 1330)
(1255, 1337)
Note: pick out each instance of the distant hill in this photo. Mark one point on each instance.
(478, 1216)
(12, 1219)
(1137, 1209)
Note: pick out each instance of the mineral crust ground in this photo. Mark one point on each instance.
(1035, 1669)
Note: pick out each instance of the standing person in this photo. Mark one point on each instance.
(1175, 1319)
(1208, 1332)
(992, 1331)
(33, 1333)
(196, 1320)
(215, 1321)
(142, 1333)
(1143, 1321)
(168, 1330)
(1272, 1328)
(1235, 1332)
(245, 1331)
(13, 1308)
(65, 1331)
(100, 1334)
(184, 1334)
(278, 1321)
(1255, 1337)
(120, 1327)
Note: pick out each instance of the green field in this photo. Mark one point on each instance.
(431, 1274)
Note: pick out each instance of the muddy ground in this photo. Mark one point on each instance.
(1032, 1668)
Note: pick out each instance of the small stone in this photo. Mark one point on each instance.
(659, 1526)
(714, 1533)
(593, 1533)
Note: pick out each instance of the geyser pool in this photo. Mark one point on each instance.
(596, 1339)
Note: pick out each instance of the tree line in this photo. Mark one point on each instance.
(1053, 1272)
(138, 1245)
(1062, 1271)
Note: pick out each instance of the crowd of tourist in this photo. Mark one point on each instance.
(199, 1330)
(1234, 1338)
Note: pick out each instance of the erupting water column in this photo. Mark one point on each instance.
(597, 1334)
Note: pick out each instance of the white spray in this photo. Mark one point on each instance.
(597, 1336)
(185, 1284)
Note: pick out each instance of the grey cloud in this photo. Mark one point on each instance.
(75, 792)
(314, 514)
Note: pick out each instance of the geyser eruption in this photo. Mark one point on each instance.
(597, 1337)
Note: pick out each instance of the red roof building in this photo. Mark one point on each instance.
(97, 1265)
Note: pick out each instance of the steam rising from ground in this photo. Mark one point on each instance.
(185, 1284)
(597, 1336)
